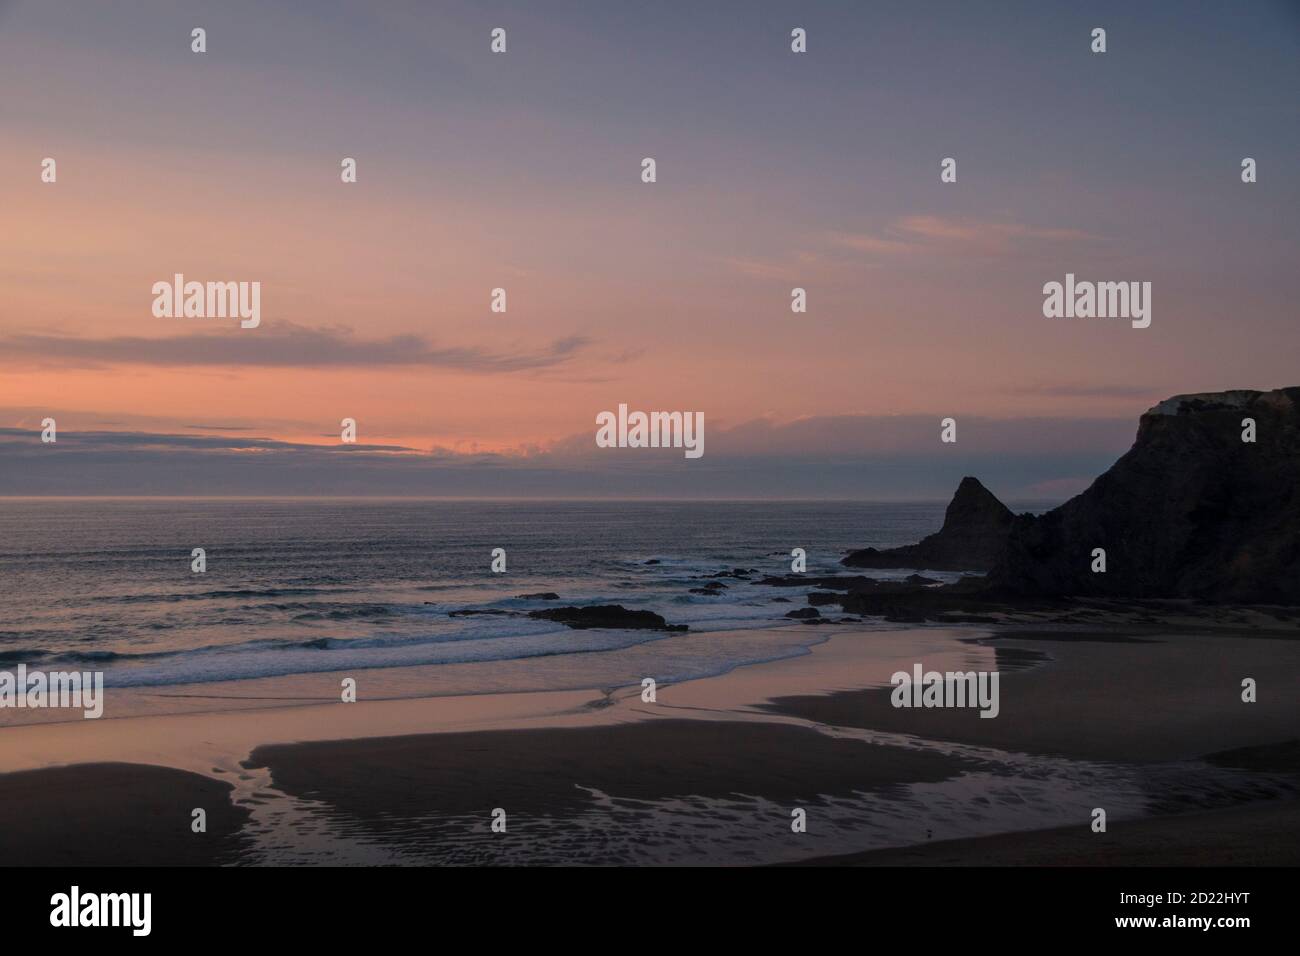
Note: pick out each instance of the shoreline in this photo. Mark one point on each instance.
(414, 778)
(233, 717)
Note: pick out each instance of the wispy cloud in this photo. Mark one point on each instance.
(284, 345)
(1153, 393)
(876, 245)
(839, 252)
(981, 237)
(787, 268)
(19, 441)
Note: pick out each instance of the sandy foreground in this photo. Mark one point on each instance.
(1259, 834)
(400, 778)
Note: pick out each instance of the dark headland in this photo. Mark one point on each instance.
(1194, 512)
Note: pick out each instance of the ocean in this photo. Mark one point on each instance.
(366, 588)
(297, 586)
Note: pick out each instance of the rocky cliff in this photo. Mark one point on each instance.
(1191, 510)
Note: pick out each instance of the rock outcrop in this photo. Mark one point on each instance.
(974, 532)
(1190, 511)
(606, 615)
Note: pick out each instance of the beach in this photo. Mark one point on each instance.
(713, 770)
(1263, 834)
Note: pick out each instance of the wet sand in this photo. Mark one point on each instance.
(1261, 834)
(116, 814)
(550, 771)
(396, 785)
(408, 774)
(1161, 698)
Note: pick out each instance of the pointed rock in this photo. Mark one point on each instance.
(974, 532)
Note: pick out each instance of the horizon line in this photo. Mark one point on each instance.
(498, 498)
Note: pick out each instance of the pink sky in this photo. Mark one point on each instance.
(924, 298)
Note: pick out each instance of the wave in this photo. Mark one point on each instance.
(326, 654)
(173, 596)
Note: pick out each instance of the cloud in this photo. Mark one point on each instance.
(842, 456)
(25, 440)
(875, 245)
(847, 253)
(71, 419)
(982, 232)
(1151, 393)
(760, 269)
(790, 266)
(284, 345)
(911, 234)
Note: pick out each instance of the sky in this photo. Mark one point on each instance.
(522, 171)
